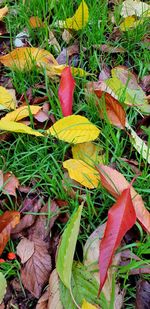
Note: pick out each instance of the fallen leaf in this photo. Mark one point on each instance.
(43, 301)
(78, 20)
(25, 249)
(6, 99)
(35, 22)
(116, 227)
(142, 295)
(8, 221)
(66, 36)
(10, 183)
(82, 172)
(87, 305)
(88, 152)
(133, 7)
(16, 127)
(129, 22)
(74, 129)
(21, 112)
(36, 270)
(67, 248)
(53, 41)
(3, 12)
(54, 292)
(3, 285)
(145, 83)
(65, 91)
(115, 183)
(66, 55)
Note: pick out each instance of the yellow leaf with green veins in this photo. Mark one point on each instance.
(22, 112)
(16, 127)
(6, 99)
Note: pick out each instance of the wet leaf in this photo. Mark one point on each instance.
(74, 129)
(16, 127)
(115, 183)
(6, 99)
(7, 222)
(3, 285)
(3, 12)
(22, 112)
(116, 227)
(67, 248)
(82, 173)
(65, 91)
(87, 305)
(88, 152)
(25, 249)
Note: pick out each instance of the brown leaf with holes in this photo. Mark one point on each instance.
(36, 271)
(7, 222)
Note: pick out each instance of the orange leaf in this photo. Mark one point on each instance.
(7, 222)
(115, 183)
(35, 22)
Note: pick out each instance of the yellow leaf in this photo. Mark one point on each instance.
(74, 129)
(3, 12)
(79, 19)
(26, 57)
(52, 70)
(6, 99)
(21, 112)
(16, 127)
(82, 173)
(35, 22)
(88, 152)
(87, 305)
(129, 22)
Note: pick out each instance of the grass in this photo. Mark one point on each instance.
(40, 160)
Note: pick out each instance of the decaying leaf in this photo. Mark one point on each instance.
(16, 127)
(82, 173)
(88, 152)
(134, 7)
(6, 99)
(8, 221)
(87, 305)
(74, 129)
(142, 295)
(43, 301)
(36, 270)
(10, 183)
(67, 248)
(3, 12)
(22, 112)
(65, 91)
(54, 292)
(25, 249)
(115, 183)
(3, 285)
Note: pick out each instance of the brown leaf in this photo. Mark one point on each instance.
(41, 116)
(36, 271)
(25, 249)
(115, 183)
(11, 183)
(143, 295)
(54, 292)
(43, 301)
(145, 83)
(7, 222)
(67, 53)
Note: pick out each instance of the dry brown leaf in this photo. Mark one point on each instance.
(53, 41)
(66, 36)
(43, 301)
(7, 222)
(36, 270)
(25, 249)
(10, 183)
(54, 292)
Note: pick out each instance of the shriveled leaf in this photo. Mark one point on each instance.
(74, 129)
(78, 20)
(116, 227)
(25, 249)
(3, 285)
(36, 270)
(3, 12)
(115, 183)
(6, 99)
(134, 7)
(35, 22)
(10, 183)
(54, 292)
(88, 152)
(65, 91)
(87, 305)
(25, 58)
(22, 112)
(7, 222)
(128, 23)
(82, 173)
(139, 145)
(16, 127)
(67, 248)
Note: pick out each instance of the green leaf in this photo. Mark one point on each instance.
(67, 248)
(84, 286)
(3, 285)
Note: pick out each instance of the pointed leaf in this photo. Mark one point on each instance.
(115, 183)
(15, 127)
(67, 248)
(21, 112)
(6, 99)
(121, 217)
(3, 285)
(66, 90)
(74, 129)
(82, 172)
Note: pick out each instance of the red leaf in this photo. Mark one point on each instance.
(121, 217)
(65, 91)
(7, 222)
(115, 183)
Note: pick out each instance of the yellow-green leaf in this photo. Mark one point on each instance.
(21, 112)
(74, 129)
(6, 99)
(78, 20)
(129, 22)
(87, 305)
(67, 248)
(3, 12)
(16, 127)
(3, 285)
(88, 152)
(52, 70)
(82, 172)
